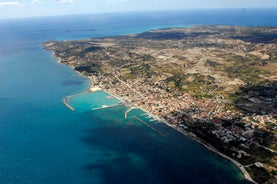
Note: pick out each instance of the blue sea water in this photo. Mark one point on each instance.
(92, 101)
(42, 142)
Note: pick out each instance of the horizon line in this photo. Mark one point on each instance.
(132, 11)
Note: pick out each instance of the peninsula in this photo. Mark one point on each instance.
(216, 84)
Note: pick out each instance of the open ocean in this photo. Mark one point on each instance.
(43, 142)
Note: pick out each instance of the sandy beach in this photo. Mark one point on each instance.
(190, 135)
(211, 148)
(93, 88)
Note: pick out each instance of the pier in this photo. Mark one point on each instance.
(66, 104)
(152, 128)
(129, 110)
(70, 96)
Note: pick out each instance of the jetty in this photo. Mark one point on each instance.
(66, 104)
(149, 126)
(129, 110)
(70, 96)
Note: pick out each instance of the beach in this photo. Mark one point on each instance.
(179, 81)
(44, 141)
(92, 88)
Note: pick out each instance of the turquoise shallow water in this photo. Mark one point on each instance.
(42, 141)
(92, 101)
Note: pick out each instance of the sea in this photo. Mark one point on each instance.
(44, 142)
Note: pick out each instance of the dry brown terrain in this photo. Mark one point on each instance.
(218, 82)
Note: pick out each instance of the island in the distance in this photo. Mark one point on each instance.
(216, 84)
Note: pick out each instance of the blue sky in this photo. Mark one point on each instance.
(31, 8)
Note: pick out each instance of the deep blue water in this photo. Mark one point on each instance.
(42, 142)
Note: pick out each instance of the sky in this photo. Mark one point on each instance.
(33, 8)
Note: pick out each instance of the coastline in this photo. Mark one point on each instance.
(187, 134)
(211, 148)
(93, 88)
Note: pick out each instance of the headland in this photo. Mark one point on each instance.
(216, 84)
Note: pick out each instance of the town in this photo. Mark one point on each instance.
(215, 84)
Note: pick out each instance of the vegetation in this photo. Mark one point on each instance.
(234, 67)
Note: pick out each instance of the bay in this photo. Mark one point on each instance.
(41, 141)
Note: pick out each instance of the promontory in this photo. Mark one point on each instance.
(215, 83)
